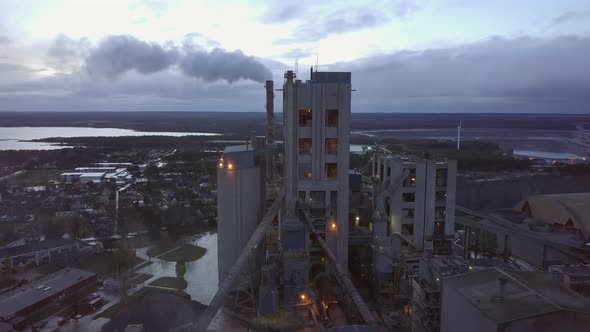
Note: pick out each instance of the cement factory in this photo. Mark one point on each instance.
(294, 222)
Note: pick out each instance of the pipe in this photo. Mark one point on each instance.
(342, 275)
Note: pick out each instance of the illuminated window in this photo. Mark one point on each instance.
(410, 181)
(305, 145)
(331, 118)
(331, 145)
(305, 171)
(331, 170)
(305, 118)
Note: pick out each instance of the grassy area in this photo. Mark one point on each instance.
(139, 278)
(103, 264)
(170, 282)
(161, 248)
(186, 252)
(36, 177)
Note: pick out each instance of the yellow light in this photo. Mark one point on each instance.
(303, 297)
(230, 166)
(333, 225)
(220, 165)
(358, 218)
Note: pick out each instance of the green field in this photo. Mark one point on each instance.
(186, 252)
(139, 278)
(36, 177)
(170, 282)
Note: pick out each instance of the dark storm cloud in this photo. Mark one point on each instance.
(117, 55)
(492, 72)
(572, 16)
(223, 65)
(493, 75)
(65, 52)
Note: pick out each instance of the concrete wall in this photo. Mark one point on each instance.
(489, 195)
(238, 213)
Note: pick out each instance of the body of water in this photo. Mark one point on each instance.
(546, 154)
(201, 276)
(16, 138)
(489, 134)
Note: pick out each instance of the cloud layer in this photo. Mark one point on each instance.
(493, 75)
(116, 55)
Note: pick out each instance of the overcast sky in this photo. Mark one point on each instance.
(404, 55)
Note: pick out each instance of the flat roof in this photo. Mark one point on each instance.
(238, 148)
(92, 174)
(95, 167)
(23, 297)
(39, 246)
(526, 294)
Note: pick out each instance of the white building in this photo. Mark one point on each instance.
(240, 204)
(317, 133)
(95, 170)
(84, 177)
(422, 208)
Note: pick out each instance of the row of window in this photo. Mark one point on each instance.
(330, 170)
(319, 197)
(331, 145)
(410, 181)
(306, 118)
(440, 196)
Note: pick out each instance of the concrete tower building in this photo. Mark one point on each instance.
(422, 208)
(317, 142)
(240, 203)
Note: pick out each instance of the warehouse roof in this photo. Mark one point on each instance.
(12, 302)
(560, 208)
(39, 246)
(525, 294)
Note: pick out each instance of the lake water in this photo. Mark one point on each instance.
(546, 154)
(15, 138)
